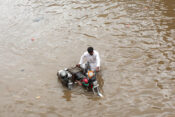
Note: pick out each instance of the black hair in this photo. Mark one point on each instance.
(90, 49)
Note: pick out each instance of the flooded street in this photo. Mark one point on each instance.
(136, 42)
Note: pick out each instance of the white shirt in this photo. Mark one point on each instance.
(94, 59)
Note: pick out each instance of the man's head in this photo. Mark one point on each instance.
(90, 50)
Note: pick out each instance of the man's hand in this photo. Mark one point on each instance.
(79, 83)
(97, 69)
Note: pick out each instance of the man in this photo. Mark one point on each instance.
(91, 56)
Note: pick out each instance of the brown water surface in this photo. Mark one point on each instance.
(136, 42)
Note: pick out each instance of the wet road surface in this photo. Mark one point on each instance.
(136, 42)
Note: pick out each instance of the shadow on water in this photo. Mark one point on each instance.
(100, 81)
(67, 94)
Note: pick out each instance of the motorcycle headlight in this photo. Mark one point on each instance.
(90, 74)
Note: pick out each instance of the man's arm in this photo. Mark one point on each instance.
(98, 60)
(81, 59)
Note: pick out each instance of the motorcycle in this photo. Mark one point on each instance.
(82, 75)
(92, 80)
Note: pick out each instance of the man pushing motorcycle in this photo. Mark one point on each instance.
(85, 75)
(92, 57)
(90, 62)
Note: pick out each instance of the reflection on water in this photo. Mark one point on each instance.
(67, 95)
(100, 81)
(135, 40)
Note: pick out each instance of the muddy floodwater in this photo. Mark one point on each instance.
(136, 42)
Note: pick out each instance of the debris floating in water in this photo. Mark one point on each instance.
(22, 70)
(38, 19)
(33, 39)
(127, 25)
(38, 97)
